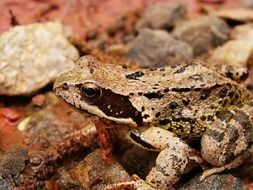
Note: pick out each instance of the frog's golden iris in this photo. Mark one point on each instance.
(91, 91)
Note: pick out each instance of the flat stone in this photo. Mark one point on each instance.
(32, 56)
(239, 14)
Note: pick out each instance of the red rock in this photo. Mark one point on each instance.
(83, 16)
(39, 100)
(10, 114)
(250, 186)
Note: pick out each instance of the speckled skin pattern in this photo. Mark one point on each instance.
(166, 107)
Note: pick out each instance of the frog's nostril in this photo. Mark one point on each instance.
(65, 86)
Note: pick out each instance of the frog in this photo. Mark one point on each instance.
(164, 109)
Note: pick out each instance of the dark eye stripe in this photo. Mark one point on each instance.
(116, 105)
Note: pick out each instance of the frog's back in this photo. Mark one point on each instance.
(175, 78)
(183, 99)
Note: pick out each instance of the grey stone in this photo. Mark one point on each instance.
(215, 182)
(156, 48)
(11, 165)
(162, 16)
(203, 33)
(32, 56)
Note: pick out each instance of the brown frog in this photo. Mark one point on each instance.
(165, 108)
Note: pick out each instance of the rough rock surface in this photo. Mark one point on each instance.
(156, 48)
(236, 15)
(235, 56)
(247, 4)
(215, 182)
(93, 173)
(235, 53)
(11, 165)
(162, 16)
(138, 161)
(31, 56)
(203, 33)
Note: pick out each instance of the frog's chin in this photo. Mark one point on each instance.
(123, 121)
(96, 111)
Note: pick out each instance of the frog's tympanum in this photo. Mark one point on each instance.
(165, 108)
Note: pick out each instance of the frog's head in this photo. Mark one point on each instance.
(85, 88)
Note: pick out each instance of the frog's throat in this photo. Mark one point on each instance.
(96, 111)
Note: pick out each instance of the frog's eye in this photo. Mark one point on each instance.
(90, 90)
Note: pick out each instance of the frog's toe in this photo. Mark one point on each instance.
(135, 184)
(122, 185)
(234, 163)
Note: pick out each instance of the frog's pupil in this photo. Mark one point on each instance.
(89, 91)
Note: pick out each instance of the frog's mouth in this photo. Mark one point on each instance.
(111, 106)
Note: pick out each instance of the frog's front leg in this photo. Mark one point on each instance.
(227, 140)
(175, 157)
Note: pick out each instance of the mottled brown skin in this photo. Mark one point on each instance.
(183, 99)
(189, 101)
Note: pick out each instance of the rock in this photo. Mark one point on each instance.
(214, 182)
(32, 56)
(156, 48)
(56, 128)
(11, 165)
(138, 161)
(247, 4)
(203, 33)
(242, 31)
(162, 16)
(236, 14)
(212, 1)
(39, 100)
(233, 58)
(9, 114)
(117, 50)
(66, 182)
(245, 171)
(93, 173)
